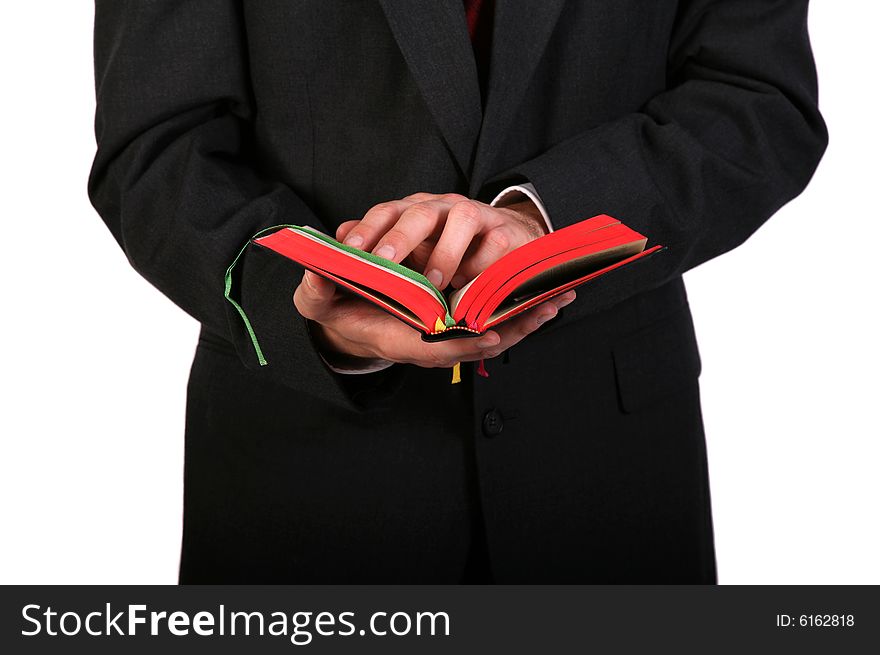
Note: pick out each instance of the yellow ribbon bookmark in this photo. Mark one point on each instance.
(456, 373)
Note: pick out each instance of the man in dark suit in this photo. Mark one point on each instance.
(350, 457)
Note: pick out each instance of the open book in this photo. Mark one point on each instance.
(521, 279)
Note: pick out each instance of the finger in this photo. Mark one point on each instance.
(343, 230)
(491, 246)
(410, 348)
(376, 222)
(423, 197)
(464, 221)
(417, 222)
(489, 341)
(447, 354)
(314, 297)
(564, 299)
(418, 258)
(519, 327)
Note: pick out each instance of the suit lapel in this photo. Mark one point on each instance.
(519, 39)
(434, 41)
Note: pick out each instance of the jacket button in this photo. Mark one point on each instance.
(493, 423)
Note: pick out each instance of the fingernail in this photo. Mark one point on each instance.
(435, 277)
(386, 251)
(489, 340)
(566, 300)
(355, 241)
(307, 276)
(543, 318)
(459, 281)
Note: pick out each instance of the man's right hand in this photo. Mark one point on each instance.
(347, 325)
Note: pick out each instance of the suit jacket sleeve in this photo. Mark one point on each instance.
(702, 165)
(175, 180)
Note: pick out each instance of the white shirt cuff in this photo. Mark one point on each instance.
(369, 366)
(358, 366)
(516, 193)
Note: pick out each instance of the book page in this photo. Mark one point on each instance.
(398, 270)
(457, 295)
(563, 273)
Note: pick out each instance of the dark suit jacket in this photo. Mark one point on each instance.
(692, 121)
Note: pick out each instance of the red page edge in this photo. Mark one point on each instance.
(570, 285)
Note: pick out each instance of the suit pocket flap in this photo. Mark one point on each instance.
(656, 361)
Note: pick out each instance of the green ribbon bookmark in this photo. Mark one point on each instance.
(370, 257)
(227, 293)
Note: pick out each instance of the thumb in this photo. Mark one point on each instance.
(313, 296)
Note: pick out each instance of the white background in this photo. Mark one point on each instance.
(95, 361)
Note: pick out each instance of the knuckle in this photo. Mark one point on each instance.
(498, 240)
(381, 211)
(465, 211)
(383, 207)
(305, 309)
(435, 358)
(419, 196)
(527, 325)
(453, 197)
(419, 211)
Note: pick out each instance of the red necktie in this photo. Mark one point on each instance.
(479, 21)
